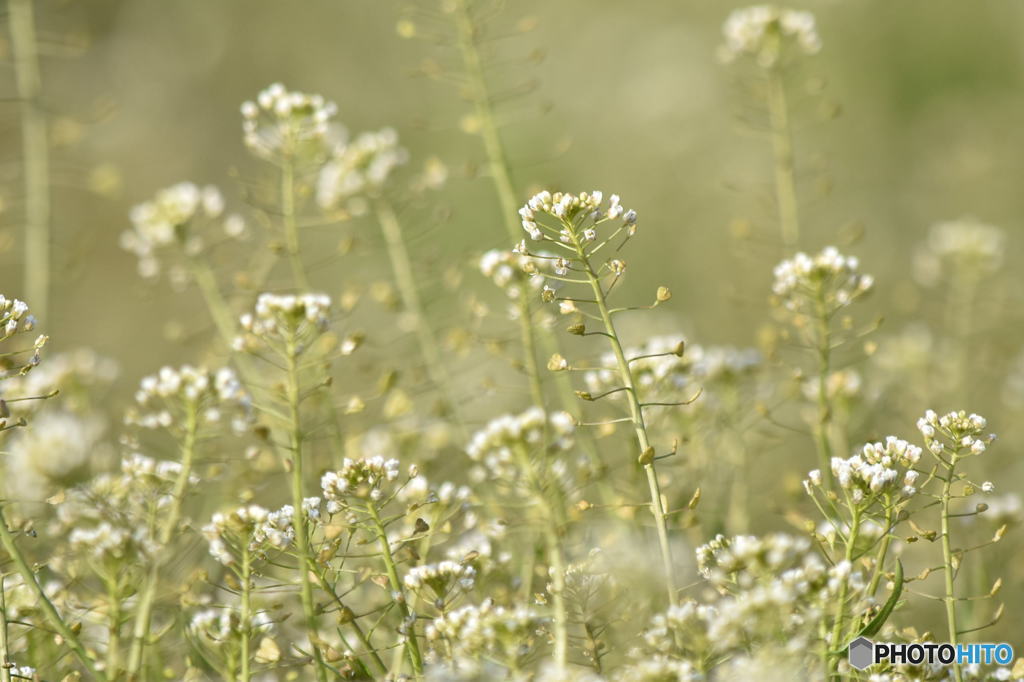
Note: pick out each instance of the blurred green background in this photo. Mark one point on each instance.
(910, 115)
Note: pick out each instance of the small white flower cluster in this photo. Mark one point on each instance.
(14, 317)
(659, 668)
(219, 625)
(875, 469)
(365, 479)
(747, 557)
(358, 167)
(255, 527)
(103, 541)
(963, 433)
(197, 391)
(282, 317)
(801, 281)
(493, 446)
(690, 619)
(74, 373)
(763, 31)
(57, 447)
(510, 271)
(771, 587)
(441, 577)
(168, 220)
(965, 244)
(25, 672)
(582, 211)
(475, 630)
(141, 468)
(668, 365)
(843, 383)
(283, 123)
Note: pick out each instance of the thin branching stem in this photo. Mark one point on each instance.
(56, 621)
(637, 418)
(36, 156)
(144, 614)
(782, 151)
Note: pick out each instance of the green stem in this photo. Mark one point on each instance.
(883, 549)
(412, 646)
(636, 416)
(782, 148)
(555, 557)
(295, 438)
(113, 662)
(5, 654)
(291, 227)
(52, 615)
(401, 267)
(822, 428)
(947, 563)
(246, 615)
(36, 156)
(851, 541)
(144, 614)
(479, 93)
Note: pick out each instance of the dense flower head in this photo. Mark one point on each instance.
(493, 446)
(881, 467)
(476, 630)
(358, 167)
(197, 393)
(765, 31)
(959, 245)
(511, 271)
(280, 317)
(747, 557)
(958, 432)
(829, 276)
(575, 215)
(254, 528)
(56, 448)
(284, 123)
(173, 218)
(218, 626)
(368, 478)
(441, 577)
(14, 317)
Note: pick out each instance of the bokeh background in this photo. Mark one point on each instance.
(910, 115)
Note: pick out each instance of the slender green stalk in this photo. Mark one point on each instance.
(553, 548)
(5, 653)
(113, 659)
(782, 148)
(481, 96)
(52, 615)
(291, 227)
(947, 562)
(883, 549)
(295, 438)
(219, 309)
(840, 618)
(636, 416)
(412, 647)
(401, 267)
(35, 156)
(823, 424)
(246, 614)
(144, 614)
(501, 176)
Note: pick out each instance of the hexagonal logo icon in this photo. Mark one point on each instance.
(862, 653)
